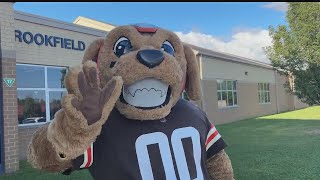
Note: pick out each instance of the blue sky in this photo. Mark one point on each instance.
(219, 20)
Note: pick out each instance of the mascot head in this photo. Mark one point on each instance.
(155, 67)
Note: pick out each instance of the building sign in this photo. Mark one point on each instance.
(46, 40)
(9, 81)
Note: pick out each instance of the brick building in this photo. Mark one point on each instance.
(35, 53)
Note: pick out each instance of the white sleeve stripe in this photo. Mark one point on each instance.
(85, 159)
(215, 139)
(212, 130)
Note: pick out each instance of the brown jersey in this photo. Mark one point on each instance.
(175, 147)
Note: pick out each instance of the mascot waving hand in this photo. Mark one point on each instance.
(123, 118)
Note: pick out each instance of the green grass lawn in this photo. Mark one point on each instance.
(282, 146)
(26, 172)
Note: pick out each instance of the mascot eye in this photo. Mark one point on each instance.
(167, 47)
(122, 46)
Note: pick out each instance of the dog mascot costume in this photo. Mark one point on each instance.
(123, 117)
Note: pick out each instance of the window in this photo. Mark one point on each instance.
(227, 93)
(264, 93)
(39, 91)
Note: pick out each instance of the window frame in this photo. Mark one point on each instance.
(233, 90)
(46, 89)
(264, 89)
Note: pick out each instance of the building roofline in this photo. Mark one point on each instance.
(27, 17)
(229, 57)
(92, 20)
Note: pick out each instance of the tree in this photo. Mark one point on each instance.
(32, 107)
(295, 50)
(63, 72)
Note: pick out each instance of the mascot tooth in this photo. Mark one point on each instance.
(123, 116)
(148, 92)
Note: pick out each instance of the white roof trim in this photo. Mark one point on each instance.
(22, 16)
(237, 60)
(93, 21)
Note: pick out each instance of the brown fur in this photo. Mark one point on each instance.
(40, 147)
(71, 83)
(219, 167)
(68, 134)
(92, 50)
(193, 75)
(171, 71)
(69, 131)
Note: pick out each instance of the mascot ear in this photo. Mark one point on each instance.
(93, 51)
(192, 86)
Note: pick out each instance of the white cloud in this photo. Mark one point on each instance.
(278, 6)
(247, 43)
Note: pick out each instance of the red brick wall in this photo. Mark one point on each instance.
(11, 141)
(25, 135)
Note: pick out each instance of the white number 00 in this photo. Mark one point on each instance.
(176, 141)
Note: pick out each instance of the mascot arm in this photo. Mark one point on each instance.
(219, 167)
(75, 127)
(218, 163)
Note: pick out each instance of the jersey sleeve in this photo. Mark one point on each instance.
(83, 161)
(214, 142)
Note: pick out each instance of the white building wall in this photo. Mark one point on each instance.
(214, 68)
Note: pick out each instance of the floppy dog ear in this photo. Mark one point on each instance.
(93, 51)
(192, 85)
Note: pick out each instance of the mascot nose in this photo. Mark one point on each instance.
(150, 57)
